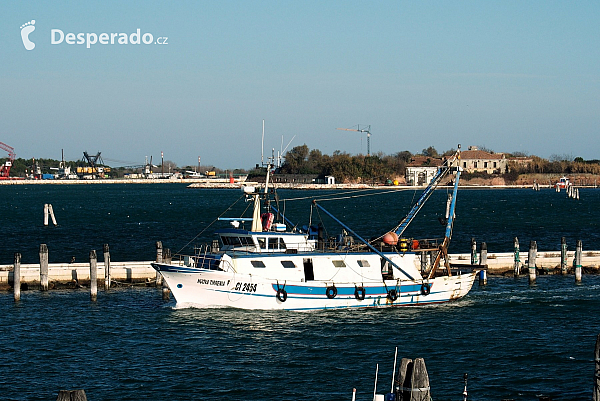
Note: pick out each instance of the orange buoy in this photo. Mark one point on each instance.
(390, 238)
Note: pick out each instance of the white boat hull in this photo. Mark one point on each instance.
(192, 286)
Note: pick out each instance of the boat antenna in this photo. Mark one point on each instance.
(375, 389)
(262, 146)
(394, 371)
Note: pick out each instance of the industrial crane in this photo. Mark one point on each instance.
(5, 168)
(368, 131)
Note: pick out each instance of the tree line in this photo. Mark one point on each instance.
(380, 168)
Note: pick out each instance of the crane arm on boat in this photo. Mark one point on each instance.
(435, 181)
(363, 240)
(450, 223)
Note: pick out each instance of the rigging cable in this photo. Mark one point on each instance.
(213, 222)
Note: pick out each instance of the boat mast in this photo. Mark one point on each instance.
(435, 181)
(449, 225)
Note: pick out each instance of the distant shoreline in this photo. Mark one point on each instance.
(225, 184)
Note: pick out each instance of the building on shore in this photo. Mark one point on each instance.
(474, 160)
(421, 170)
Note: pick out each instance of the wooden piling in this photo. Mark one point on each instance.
(93, 276)
(51, 212)
(483, 258)
(563, 255)
(45, 214)
(166, 292)
(577, 261)
(17, 277)
(420, 381)
(106, 252)
(596, 394)
(402, 384)
(71, 395)
(531, 261)
(43, 267)
(159, 259)
(473, 251)
(517, 266)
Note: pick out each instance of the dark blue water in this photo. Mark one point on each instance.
(513, 340)
(131, 218)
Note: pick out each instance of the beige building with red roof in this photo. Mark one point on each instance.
(475, 160)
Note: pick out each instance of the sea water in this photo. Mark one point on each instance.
(513, 340)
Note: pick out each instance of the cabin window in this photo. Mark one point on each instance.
(272, 243)
(338, 263)
(257, 263)
(281, 244)
(262, 242)
(364, 263)
(246, 240)
(288, 264)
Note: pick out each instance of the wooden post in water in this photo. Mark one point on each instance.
(531, 261)
(17, 277)
(45, 214)
(165, 287)
(43, 267)
(596, 394)
(483, 257)
(473, 251)
(71, 395)
(402, 384)
(420, 381)
(51, 212)
(577, 261)
(93, 276)
(159, 259)
(106, 251)
(563, 255)
(517, 259)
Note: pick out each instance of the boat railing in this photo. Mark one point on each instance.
(346, 244)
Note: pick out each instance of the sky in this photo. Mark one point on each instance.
(510, 76)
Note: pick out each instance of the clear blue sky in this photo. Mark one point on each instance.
(507, 75)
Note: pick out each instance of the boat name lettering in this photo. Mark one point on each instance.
(245, 287)
(218, 283)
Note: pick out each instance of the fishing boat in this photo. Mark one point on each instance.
(276, 265)
(562, 183)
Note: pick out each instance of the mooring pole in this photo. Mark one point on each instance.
(531, 261)
(517, 259)
(596, 395)
(563, 255)
(473, 251)
(483, 257)
(106, 252)
(165, 287)
(93, 276)
(17, 277)
(43, 267)
(51, 212)
(577, 261)
(159, 259)
(45, 214)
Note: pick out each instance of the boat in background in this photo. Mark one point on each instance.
(562, 183)
(276, 265)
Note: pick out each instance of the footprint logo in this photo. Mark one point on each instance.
(26, 29)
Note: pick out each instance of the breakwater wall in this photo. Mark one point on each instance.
(74, 275)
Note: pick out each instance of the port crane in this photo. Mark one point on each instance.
(358, 129)
(5, 168)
